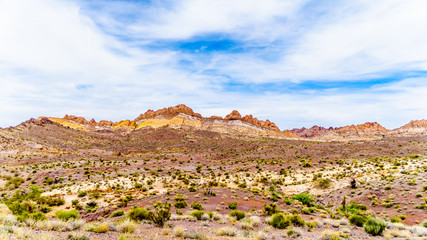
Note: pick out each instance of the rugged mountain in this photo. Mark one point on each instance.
(314, 131)
(180, 116)
(413, 128)
(365, 130)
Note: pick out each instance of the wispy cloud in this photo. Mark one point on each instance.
(298, 63)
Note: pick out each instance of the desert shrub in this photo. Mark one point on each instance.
(310, 226)
(374, 227)
(14, 183)
(280, 221)
(237, 214)
(395, 220)
(330, 235)
(270, 209)
(180, 204)
(226, 231)
(424, 224)
(293, 233)
(304, 198)
(53, 201)
(323, 183)
(118, 213)
(37, 216)
(99, 228)
(161, 213)
(127, 226)
(232, 205)
(197, 214)
(357, 220)
(138, 214)
(82, 194)
(307, 210)
(67, 215)
(297, 220)
(197, 206)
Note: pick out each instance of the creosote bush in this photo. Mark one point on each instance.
(237, 214)
(67, 215)
(280, 221)
(374, 227)
(138, 214)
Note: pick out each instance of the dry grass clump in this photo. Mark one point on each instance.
(98, 227)
(226, 231)
(178, 231)
(330, 235)
(127, 226)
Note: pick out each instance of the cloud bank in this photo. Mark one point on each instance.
(297, 63)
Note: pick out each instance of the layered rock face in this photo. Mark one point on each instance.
(168, 112)
(413, 128)
(314, 131)
(181, 116)
(92, 122)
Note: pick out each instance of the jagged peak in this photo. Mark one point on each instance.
(415, 124)
(91, 122)
(168, 112)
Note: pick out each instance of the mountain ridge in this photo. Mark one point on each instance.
(182, 116)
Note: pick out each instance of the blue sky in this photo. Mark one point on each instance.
(295, 62)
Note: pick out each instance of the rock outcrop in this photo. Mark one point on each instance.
(315, 131)
(234, 115)
(92, 122)
(169, 112)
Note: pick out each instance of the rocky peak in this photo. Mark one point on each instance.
(234, 115)
(314, 131)
(168, 112)
(92, 122)
(415, 124)
(368, 128)
(265, 124)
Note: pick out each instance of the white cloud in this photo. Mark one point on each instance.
(48, 48)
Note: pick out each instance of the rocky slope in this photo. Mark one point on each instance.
(183, 117)
(180, 116)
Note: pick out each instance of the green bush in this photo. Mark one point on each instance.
(357, 220)
(197, 214)
(38, 216)
(161, 213)
(323, 183)
(82, 194)
(297, 220)
(280, 221)
(232, 205)
(424, 224)
(180, 204)
(374, 227)
(395, 220)
(138, 214)
(304, 198)
(197, 206)
(270, 209)
(67, 215)
(118, 213)
(237, 214)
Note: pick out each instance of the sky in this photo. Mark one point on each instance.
(297, 63)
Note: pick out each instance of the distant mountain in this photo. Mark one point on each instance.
(185, 119)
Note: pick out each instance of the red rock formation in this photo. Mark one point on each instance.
(314, 131)
(168, 112)
(234, 115)
(369, 128)
(415, 124)
(73, 118)
(215, 117)
(264, 124)
(92, 122)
